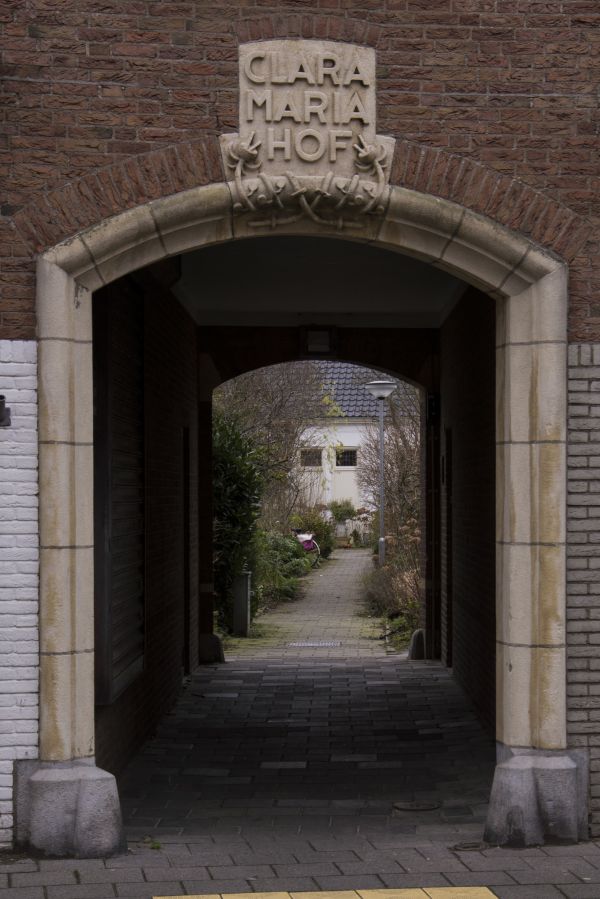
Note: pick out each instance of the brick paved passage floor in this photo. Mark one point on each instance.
(315, 741)
(279, 771)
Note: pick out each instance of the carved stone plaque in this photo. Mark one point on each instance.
(307, 143)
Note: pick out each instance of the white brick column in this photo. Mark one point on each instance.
(19, 562)
(583, 561)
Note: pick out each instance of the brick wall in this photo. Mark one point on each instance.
(468, 409)
(583, 560)
(170, 387)
(18, 570)
(494, 105)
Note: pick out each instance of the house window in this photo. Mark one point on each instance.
(310, 458)
(345, 458)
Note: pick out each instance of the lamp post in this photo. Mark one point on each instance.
(381, 390)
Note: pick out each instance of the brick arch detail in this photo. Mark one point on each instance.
(77, 205)
(307, 27)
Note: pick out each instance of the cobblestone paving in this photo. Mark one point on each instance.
(279, 772)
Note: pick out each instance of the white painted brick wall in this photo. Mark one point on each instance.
(19, 562)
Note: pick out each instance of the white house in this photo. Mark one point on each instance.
(330, 457)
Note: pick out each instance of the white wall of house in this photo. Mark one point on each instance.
(331, 481)
(19, 578)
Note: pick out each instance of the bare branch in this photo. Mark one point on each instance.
(275, 406)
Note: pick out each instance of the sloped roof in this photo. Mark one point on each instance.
(344, 384)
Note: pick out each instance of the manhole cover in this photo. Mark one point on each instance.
(309, 644)
(413, 805)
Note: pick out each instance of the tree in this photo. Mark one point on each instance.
(396, 591)
(402, 460)
(273, 407)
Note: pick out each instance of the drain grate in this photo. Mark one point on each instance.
(310, 644)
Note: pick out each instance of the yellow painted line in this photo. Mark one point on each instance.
(392, 894)
(316, 894)
(425, 893)
(458, 893)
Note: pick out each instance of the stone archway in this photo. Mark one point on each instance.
(529, 286)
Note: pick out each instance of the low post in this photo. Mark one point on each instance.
(380, 390)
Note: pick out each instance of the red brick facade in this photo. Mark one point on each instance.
(494, 105)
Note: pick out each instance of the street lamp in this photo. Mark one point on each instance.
(381, 390)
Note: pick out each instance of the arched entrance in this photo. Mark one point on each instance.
(529, 286)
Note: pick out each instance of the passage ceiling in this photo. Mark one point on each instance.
(283, 281)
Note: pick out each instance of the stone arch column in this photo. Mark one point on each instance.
(530, 288)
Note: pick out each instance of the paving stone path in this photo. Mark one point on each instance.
(280, 770)
(330, 612)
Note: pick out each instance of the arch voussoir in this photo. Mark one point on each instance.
(83, 203)
(296, 25)
(506, 200)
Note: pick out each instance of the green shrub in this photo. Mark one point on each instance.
(277, 563)
(313, 522)
(357, 537)
(342, 510)
(237, 489)
(395, 592)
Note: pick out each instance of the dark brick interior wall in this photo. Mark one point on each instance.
(468, 409)
(446, 550)
(170, 406)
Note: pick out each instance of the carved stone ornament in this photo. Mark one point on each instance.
(307, 146)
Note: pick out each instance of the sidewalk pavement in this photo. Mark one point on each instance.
(316, 767)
